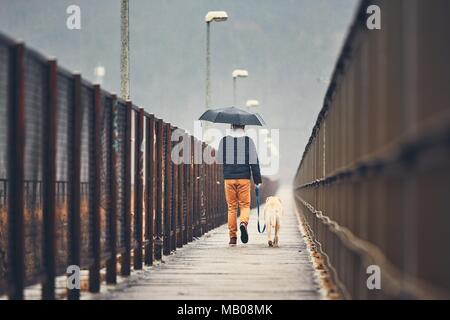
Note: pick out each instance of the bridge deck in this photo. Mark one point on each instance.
(210, 269)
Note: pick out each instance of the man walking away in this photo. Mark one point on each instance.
(237, 153)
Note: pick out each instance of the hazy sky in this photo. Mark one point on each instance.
(289, 48)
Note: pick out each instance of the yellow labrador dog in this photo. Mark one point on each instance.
(273, 211)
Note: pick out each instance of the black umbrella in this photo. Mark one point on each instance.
(233, 115)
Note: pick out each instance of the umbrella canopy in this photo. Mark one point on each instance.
(233, 115)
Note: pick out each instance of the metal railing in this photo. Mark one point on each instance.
(87, 179)
(373, 185)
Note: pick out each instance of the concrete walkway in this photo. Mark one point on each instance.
(209, 269)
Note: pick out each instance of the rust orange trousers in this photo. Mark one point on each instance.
(237, 193)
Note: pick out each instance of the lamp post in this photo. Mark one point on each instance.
(125, 51)
(212, 16)
(238, 73)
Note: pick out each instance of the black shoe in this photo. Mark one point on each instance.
(233, 241)
(244, 233)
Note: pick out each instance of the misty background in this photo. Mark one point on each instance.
(289, 48)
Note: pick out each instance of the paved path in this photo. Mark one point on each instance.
(209, 269)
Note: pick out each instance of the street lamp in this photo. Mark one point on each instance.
(217, 16)
(238, 73)
(212, 16)
(252, 104)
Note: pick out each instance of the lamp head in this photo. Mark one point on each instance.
(99, 71)
(252, 103)
(217, 16)
(240, 73)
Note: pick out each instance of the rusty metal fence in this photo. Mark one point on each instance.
(373, 186)
(87, 179)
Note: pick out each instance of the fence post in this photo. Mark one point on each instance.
(190, 192)
(181, 222)
(149, 188)
(159, 189)
(139, 187)
(111, 263)
(219, 194)
(194, 190)
(223, 205)
(94, 270)
(197, 190)
(185, 188)
(16, 146)
(74, 202)
(168, 192)
(206, 185)
(206, 193)
(204, 214)
(210, 196)
(174, 201)
(217, 201)
(200, 192)
(213, 193)
(214, 190)
(49, 180)
(126, 255)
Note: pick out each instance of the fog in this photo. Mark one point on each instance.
(289, 48)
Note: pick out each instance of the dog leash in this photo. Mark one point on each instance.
(257, 209)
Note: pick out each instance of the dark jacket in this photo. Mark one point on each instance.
(239, 158)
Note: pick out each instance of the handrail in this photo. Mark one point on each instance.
(373, 181)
